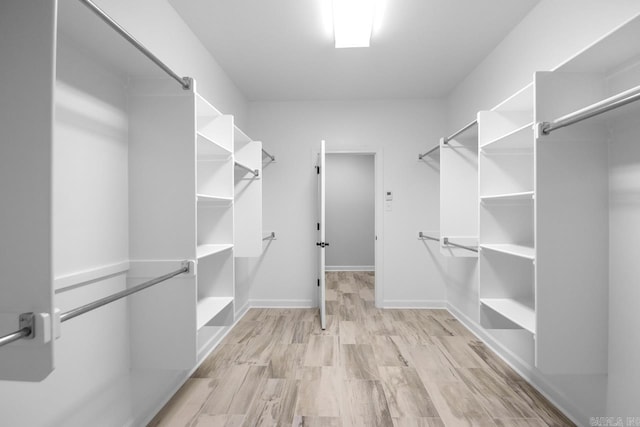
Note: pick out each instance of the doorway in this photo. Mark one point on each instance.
(373, 237)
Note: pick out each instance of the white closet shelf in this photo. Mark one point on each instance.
(208, 148)
(507, 197)
(208, 308)
(521, 101)
(519, 313)
(206, 110)
(520, 139)
(510, 249)
(240, 137)
(214, 200)
(203, 251)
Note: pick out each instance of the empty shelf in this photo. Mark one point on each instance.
(208, 308)
(525, 195)
(515, 250)
(520, 139)
(203, 251)
(208, 148)
(517, 312)
(214, 200)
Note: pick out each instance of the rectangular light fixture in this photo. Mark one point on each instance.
(352, 22)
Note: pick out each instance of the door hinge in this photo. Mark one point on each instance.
(318, 170)
(318, 226)
(318, 282)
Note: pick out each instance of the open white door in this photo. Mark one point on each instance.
(321, 244)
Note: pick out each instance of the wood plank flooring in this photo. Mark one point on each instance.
(370, 367)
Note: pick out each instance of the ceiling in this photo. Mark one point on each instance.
(283, 49)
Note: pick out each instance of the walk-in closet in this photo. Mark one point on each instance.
(320, 213)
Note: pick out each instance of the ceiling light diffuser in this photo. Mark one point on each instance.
(352, 22)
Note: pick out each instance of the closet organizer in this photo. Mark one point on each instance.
(114, 169)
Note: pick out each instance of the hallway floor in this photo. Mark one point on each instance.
(370, 367)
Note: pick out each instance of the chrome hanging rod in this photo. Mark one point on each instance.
(107, 300)
(27, 323)
(271, 236)
(464, 129)
(421, 156)
(423, 236)
(185, 82)
(26, 330)
(447, 242)
(255, 172)
(446, 139)
(273, 158)
(592, 110)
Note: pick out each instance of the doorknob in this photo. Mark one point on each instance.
(322, 244)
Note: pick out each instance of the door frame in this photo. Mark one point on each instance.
(377, 153)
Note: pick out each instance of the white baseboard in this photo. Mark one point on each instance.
(350, 268)
(410, 303)
(281, 303)
(240, 312)
(537, 381)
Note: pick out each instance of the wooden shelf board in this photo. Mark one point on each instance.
(203, 251)
(510, 249)
(208, 308)
(519, 313)
(525, 195)
(520, 139)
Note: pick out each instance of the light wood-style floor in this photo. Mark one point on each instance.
(370, 367)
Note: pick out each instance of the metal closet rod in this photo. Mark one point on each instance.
(464, 129)
(185, 82)
(423, 236)
(26, 331)
(273, 158)
(255, 172)
(592, 110)
(271, 236)
(446, 139)
(447, 242)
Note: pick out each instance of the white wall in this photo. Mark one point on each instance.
(554, 31)
(350, 211)
(411, 271)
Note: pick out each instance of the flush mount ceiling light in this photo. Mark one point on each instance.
(353, 22)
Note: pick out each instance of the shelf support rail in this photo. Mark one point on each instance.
(423, 236)
(592, 110)
(255, 172)
(271, 236)
(27, 322)
(447, 242)
(185, 82)
(68, 315)
(273, 158)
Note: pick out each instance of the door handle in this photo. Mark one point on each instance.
(322, 244)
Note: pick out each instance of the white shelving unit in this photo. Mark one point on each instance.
(545, 203)
(506, 194)
(215, 228)
(143, 179)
